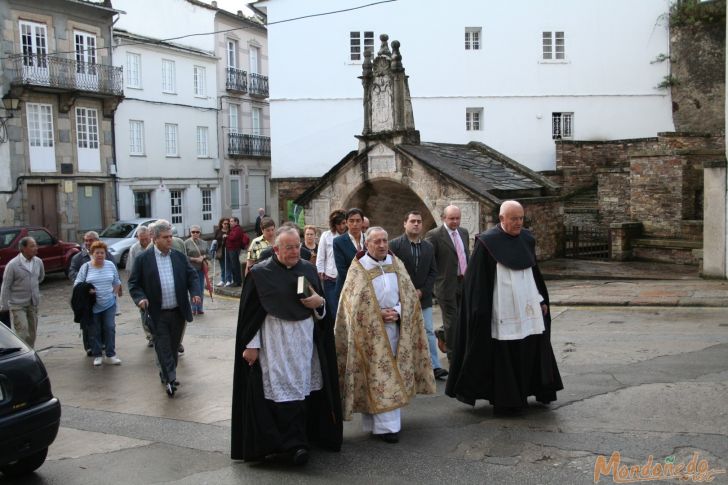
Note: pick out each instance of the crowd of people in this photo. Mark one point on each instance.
(330, 325)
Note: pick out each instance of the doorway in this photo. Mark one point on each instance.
(43, 207)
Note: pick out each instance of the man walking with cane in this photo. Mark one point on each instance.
(160, 283)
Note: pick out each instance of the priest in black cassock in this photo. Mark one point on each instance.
(285, 384)
(502, 349)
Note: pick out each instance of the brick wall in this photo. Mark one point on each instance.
(544, 216)
(613, 195)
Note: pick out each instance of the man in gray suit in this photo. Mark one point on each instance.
(418, 257)
(452, 250)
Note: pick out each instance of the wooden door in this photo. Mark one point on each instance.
(43, 207)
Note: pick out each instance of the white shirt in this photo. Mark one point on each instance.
(516, 305)
(361, 240)
(325, 257)
(27, 263)
(386, 286)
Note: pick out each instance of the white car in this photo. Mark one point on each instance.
(120, 236)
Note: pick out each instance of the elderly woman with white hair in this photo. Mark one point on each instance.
(197, 251)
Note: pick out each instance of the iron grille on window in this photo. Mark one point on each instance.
(562, 126)
(237, 80)
(175, 197)
(44, 70)
(248, 145)
(258, 85)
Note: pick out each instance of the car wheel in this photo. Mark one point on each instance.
(124, 258)
(25, 465)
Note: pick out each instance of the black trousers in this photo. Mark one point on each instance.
(168, 333)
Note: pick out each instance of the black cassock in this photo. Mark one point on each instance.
(262, 427)
(505, 372)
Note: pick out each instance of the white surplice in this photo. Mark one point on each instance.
(516, 305)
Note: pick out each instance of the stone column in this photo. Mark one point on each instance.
(715, 217)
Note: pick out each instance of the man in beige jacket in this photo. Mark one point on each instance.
(20, 291)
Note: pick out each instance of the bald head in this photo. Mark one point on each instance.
(451, 217)
(511, 217)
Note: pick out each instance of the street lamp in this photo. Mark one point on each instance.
(10, 105)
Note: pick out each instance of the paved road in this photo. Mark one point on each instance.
(642, 381)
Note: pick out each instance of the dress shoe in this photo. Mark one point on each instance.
(89, 353)
(170, 389)
(150, 343)
(98, 361)
(440, 373)
(389, 437)
(300, 457)
(181, 349)
(176, 383)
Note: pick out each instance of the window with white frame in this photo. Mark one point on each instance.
(199, 81)
(234, 117)
(232, 54)
(168, 76)
(170, 139)
(40, 125)
(136, 137)
(472, 38)
(41, 146)
(175, 206)
(256, 116)
(554, 46)
(133, 70)
(85, 53)
(473, 119)
(206, 204)
(254, 57)
(562, 126)
(234, 189)
(359, 42)
(87, 128)
(202, 141)
(34, 44)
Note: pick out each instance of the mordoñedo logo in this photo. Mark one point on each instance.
(695, 470)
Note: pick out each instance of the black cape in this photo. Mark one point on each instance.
(505, 372)
(253, 436)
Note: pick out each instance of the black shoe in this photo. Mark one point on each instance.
(300, 457)
(389, 437)
(440, 373)
(150, 343)
(176, 383)
(181, 349)
(170, 389)
(89, 353)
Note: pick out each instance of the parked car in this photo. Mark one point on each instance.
(29, 413)
(120, 236)
(56, 254)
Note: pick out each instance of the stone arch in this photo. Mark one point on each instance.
(385, 202)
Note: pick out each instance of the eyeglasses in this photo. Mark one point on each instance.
(194, 232)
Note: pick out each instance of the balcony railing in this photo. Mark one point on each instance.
(60, 73)
(237, 80)
(240, 145)
(258, 85)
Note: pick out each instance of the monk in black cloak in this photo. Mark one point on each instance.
(285, 383)
(502, 349)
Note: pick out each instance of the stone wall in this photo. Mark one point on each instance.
(544, 217)
(697, 57)
(613, 195)
(289, 189)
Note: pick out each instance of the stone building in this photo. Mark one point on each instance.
(57, 145)
(393, 172)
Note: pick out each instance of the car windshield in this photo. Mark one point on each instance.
(8, 340)
(7, 237)
(119, 229)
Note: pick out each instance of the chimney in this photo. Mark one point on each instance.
(214, 4)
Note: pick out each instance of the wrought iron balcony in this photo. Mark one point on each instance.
(59, 73)
(237, 80)
(258, 85)
(240, 145)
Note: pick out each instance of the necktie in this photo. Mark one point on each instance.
(457, 241)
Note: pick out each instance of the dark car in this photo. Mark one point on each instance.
(56, 254)
(29, 414)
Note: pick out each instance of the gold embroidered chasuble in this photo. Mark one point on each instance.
(372, 379)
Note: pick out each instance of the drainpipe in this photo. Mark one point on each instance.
(115, 180)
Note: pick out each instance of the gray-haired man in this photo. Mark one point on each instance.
(20, 292)
(160, 283)
(144, 241)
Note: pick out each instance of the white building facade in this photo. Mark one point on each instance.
(232, 110)
(513, 76)
(166, 142)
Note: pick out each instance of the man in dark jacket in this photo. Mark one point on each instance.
(162, 282)
(418, 257)
(235, 241)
